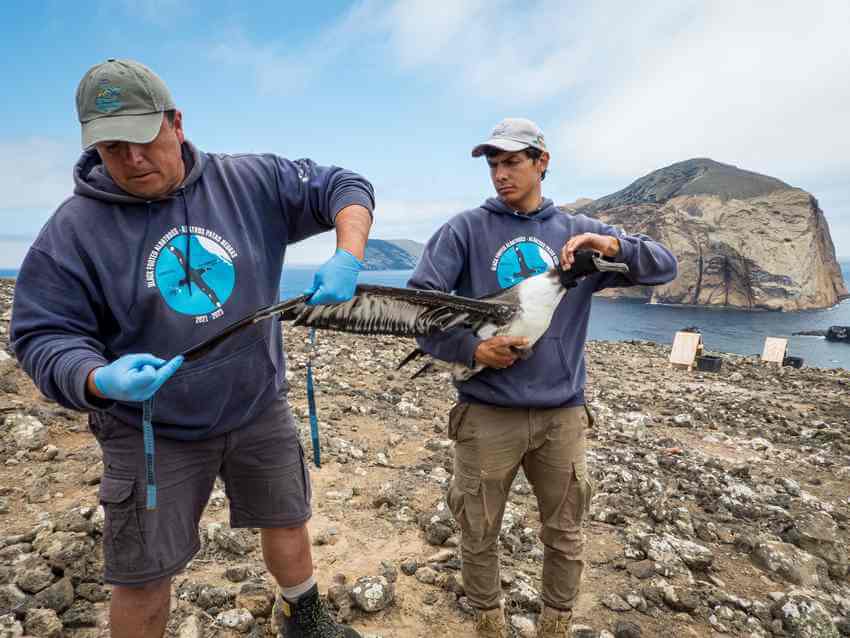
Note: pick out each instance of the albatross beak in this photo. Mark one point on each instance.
(586, 263)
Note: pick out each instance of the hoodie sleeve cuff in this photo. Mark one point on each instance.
(466, 350)
(83, 399)
(352, 197)
(627, 251)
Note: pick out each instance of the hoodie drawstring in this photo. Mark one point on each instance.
(140, 258)
(188, 265)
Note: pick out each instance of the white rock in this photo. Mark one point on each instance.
(238, 619)
(523, 626)
(408, 409)
(9, 627)
(28, 432)
(191, 627)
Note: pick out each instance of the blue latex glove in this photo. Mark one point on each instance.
(336, 279)
(134, 377)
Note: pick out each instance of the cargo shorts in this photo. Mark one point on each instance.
(261, 463)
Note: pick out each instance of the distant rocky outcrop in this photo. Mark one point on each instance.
(579, 203)
(392, 254)
(742, 239)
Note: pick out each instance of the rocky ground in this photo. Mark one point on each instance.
(722, 506)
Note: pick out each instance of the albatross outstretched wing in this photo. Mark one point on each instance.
(402, 312)
(378, 310)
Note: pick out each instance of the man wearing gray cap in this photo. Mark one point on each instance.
(160, 247)
(523, 412)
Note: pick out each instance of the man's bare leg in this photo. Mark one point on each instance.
(140, 612)
(286, 552)
(288, 558)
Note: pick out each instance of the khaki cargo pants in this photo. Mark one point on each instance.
(491, 444)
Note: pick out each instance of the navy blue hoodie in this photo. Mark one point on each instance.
(112, 274)
(482, 251)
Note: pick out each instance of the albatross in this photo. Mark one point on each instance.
(523, 310)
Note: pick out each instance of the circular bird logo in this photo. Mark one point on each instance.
(522, 260)
(194, 274)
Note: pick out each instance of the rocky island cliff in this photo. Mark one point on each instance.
(742, 239)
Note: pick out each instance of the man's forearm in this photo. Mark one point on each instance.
(352, 229)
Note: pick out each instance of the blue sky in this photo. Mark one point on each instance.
(400, 91)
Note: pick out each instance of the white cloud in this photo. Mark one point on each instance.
(420, 34)
(765, 85)
(275, 72)
(35, 172)
(280, 69)
(767, 90)
(628, 87)
(637, 86)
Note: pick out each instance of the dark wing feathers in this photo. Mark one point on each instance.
(378, 310)
(400, 311)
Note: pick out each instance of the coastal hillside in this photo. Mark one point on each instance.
(392, 254)
(742, 239)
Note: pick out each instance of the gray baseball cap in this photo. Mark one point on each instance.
(121, 100)
(513, 134)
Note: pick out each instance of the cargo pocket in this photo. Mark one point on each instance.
(465, 503)
(590, 420)
(305, 473)
(584, 486)
(457, 415)
(123, 543)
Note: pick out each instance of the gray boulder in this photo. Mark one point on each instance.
(14, 601)
(58, 597)
(817, 533)
(33, 574)
(790, 563)
(43, 623)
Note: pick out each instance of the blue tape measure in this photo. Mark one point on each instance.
(311, 404)
(147, 435)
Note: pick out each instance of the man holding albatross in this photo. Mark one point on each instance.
(523, 412)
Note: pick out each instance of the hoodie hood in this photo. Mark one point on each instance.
(92, 180)
(497, 206)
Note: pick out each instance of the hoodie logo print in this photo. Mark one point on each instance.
(194, 272)
(520, 258)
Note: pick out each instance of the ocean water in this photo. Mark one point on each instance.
(723, 330)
